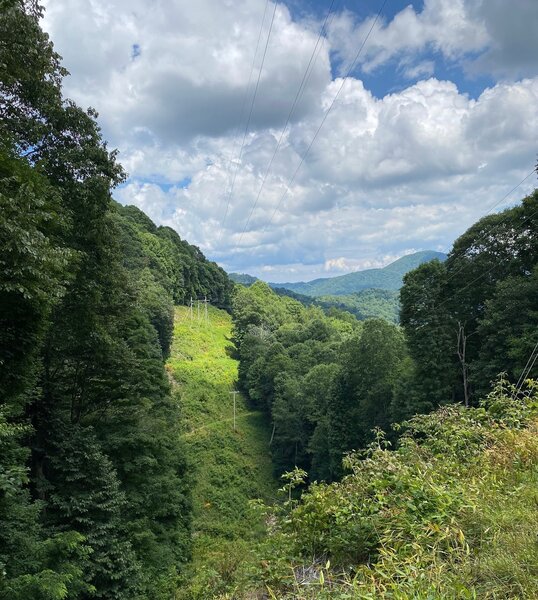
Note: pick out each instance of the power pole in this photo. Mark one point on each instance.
(462, 347)
(234, 395)
(205, 308)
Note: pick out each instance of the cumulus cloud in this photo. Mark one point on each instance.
(446, 26)
(192, 67)
(347, 265)
(407, 171)
(493, 36)
(387, 175)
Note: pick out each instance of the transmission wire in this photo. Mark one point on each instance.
(306, 76)
(248, 121)
(290, 182)
(236, 142)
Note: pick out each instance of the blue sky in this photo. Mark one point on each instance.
(438, 121)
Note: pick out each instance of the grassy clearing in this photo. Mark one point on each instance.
(230, 468)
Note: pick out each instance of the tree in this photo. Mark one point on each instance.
(364, 388)
(84, 493)
(80, 359)
(459, 303)
(430, 335)
(508, 331)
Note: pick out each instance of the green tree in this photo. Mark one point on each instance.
(83, 492)
(364, 388)
(430, 332)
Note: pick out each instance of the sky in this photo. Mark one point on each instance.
(305, 139)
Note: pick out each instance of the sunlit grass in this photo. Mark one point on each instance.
(229, 467)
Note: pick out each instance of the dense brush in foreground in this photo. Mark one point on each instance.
(451, 513)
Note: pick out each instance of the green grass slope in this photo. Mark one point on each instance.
(387, 278)
(230, 468)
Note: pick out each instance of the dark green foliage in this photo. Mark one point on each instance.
(32, 266)
(32, 565)
(508, 330)
(158, 307)
(83, 493)
(324, 381)
(140, 432)
(180, 268)
(465, 321)
(364, 388)
(243, 278)
(366, 304)
(485, 295)
(93, 491)
(430, 333)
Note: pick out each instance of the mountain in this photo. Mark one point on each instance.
(366, 304)
(386, 278)
(242, 278)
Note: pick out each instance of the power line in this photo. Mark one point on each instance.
(530, 368)
(230, 161)
(306, 76)
(290, 182)
(488, 233)
(527, 369)
(248, 121)
(482, 274)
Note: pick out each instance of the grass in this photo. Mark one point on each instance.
(452, 513)
(230, 468)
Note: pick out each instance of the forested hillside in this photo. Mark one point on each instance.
(386, 278)
(368, 303)
(476, 315)
(324, 381)
(94, 497)
(436, 505)
(327, 382)
(408, 452)
(365, 294)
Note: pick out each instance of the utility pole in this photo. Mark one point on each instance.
(205, 308)
(462, 347)
(234, 395)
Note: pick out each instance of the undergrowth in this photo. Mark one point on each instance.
(230, 468)
(451, 513)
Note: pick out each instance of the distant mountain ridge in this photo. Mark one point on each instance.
(369, 293)
(385, 278)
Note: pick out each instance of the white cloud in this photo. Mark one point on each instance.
(443, 25)
(347, 265)
(410, 170)
(424, 68)
(192, 72)
(488, 36)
